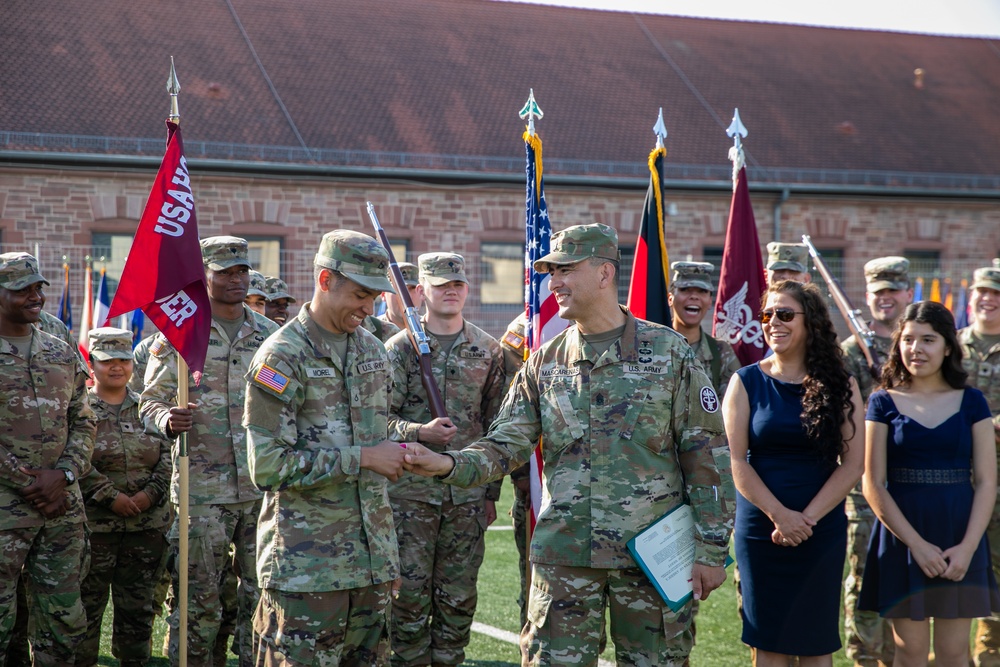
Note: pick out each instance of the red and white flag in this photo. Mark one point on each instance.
(741, 280)
(163, 274)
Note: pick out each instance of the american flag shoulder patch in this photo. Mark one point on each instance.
(271, 378)
(514, 339)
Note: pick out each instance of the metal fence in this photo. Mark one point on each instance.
(496, 296)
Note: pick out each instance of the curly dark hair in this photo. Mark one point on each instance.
(826, 403)
(894, 373)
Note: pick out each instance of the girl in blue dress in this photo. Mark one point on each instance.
(930, 476)
(795, 435)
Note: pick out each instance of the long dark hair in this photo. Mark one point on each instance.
(894, 373)
(826, 402)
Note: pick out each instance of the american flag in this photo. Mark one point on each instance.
(539, 303)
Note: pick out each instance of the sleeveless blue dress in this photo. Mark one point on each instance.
(929, 477)
(791, 595)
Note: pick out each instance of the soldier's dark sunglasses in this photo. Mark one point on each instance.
(783, 314)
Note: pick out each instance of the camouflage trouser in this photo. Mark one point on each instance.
(440, 551)
(18, 650)
(228, 628)
(327, 629)
(130, 565)
(988, 630)
(213, 529)
(868, 636)
(566, 617)
(519, 514)
(52, 557)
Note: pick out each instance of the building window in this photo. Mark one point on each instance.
(265, 254)
(109, 251)
(502, 274)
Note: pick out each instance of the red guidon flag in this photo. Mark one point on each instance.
(741, 280)
(163, 274)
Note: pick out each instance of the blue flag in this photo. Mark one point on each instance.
(65, 305)
(138, 323)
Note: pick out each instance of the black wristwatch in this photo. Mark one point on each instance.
(70, 477)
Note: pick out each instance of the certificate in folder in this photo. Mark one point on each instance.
(665, 552)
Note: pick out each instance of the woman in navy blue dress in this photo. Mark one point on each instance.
(928, 557)
(794, 427)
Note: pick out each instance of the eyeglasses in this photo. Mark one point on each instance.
(783, 314)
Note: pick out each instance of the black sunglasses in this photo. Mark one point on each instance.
(783, 314)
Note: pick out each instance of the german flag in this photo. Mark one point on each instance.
(647, 291)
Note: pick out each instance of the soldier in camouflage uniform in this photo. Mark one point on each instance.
(981, 359)
(787, 261)
(632, 429)
(869, 641)
(316, 417)
(48, 429)
(224, 503)
(127, 509)
(690, 300)
(278, 300)
(257, 293)
(395, 311)
(140, 359)
(441, 529)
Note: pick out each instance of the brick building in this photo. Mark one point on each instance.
(873, 143)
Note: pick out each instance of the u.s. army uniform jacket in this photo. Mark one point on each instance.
(128, 459)
(45, 422)
(217, 441)
(628, 435)
(325, 523)
(472, 383)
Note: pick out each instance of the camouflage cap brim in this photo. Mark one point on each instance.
(25, 281)
(356, 273)
(880, 285)
(220, 266)
(280, 295)
(106, 355)
(446, 278)
(786, 265)
(692, 282)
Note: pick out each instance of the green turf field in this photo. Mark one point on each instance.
(718, 625)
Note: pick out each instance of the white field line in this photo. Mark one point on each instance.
(512, 638)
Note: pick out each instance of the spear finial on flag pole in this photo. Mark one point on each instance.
(738, 132)
(173, 88)
(660, 130)
(531, 111)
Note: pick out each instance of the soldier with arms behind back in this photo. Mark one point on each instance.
(632, 427)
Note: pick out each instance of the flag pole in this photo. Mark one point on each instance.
(530, 110)
(183, 509)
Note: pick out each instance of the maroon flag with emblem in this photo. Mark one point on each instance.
(741, 280)
(163, 274)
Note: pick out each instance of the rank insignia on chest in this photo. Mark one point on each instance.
(128, 427)
(271, 379)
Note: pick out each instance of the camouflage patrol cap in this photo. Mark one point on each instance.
(258, 284)
(110, 343)
(411, 274)
(439, 268)
(887, 273)
(18, 270)
(277, 288)
(988, 277)
(692, 274)
(222, 252)
(580, 242)
(790, 256)
(358, 256)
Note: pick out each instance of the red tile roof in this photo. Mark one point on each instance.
(447, 77)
